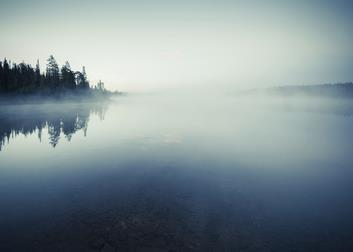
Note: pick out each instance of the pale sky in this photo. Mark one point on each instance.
(141, 45)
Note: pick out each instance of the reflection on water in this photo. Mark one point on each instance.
(58, 119)
(176, 174)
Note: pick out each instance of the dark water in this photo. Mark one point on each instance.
(151, 173)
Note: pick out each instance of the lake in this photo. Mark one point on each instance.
(177, 173)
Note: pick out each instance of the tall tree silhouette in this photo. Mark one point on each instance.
(38, 77)
(5, 75)
(81, 79)
(52, 72)
(1, 77)
(68, 76)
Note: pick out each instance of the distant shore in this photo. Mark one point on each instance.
(337, 91)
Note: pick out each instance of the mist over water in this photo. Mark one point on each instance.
(179, 171)
(239, 140)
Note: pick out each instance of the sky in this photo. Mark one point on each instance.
(141, 45)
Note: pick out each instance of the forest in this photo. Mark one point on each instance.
(23, 79)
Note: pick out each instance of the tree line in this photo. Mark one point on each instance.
(24, 79)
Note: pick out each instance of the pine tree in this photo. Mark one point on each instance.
(38, 76)
(85, 80)
(81, 79)
(68, 76)
(1, 78)
(52, 73)
(6, 74)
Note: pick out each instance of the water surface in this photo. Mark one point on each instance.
(178, 173)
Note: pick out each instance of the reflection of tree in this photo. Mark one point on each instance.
(54, 130)
(59, 119)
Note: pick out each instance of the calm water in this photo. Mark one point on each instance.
(176, 173)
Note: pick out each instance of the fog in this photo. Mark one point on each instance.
(274, 128)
